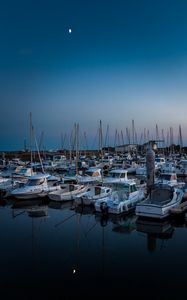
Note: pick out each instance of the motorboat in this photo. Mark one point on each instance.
(158, 203)
(91, 175)
(169, 178)
(92, 194)
(67, 191)
(7, 185)
(116, 176)
(122, 200)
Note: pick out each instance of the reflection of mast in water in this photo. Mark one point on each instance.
(103, 220)
(103, 249)
(35, 229)
(75, 268)
(82, 211)
(151, 242)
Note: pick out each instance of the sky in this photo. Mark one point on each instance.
(123, 61)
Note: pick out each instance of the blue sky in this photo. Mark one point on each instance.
(123, 61)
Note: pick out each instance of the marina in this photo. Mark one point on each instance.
(66, 248)
(93, 150)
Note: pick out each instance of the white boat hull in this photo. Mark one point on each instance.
(158, 211)
(112, 206)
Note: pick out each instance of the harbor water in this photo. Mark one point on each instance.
(67, 253)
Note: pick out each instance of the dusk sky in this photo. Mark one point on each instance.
(123, 60)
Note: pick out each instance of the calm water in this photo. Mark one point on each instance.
(69, 253)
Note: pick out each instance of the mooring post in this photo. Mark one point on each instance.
(150, 166)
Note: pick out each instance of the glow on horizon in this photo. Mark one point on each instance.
(87, 97)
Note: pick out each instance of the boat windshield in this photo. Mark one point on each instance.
(121, 186)
(92, 173)
(168, 177)
(161, 196)
(33, 182)
(118, 175)
(24, 171)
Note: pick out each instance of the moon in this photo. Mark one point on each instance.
(69, 30)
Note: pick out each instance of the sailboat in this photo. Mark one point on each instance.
(38, 185)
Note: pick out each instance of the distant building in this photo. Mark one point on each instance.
(127, 148)
(156, 145)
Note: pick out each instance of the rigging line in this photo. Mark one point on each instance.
(61, 222)
(162, 245)
(90, 229)
(20, 213)
(142, 234)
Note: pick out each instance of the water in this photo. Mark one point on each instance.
(69, 254)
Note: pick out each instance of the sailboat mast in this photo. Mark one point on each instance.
(77, 146)
(31, 141)
(133, 132)
(100, 139)
(180, 138)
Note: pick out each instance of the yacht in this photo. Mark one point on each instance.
(38, 185)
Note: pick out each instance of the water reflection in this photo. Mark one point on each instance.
(74, 249)
(61, 204)
(33, 208)
(120, 223)
(155, 230)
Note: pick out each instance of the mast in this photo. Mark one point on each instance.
(171, 139)
(163, 138)
(157, 134)
(70, 148)
(39, 154)
(128, 135)
(107, 137)
(148, 138)
(122, 138)
(180, 138)
(133, 132)
(115, 138)
(77, 145)
(41, 141)
(31, 141)
(144, 136)
(100, 139)
(62, 141)
(86, 143)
